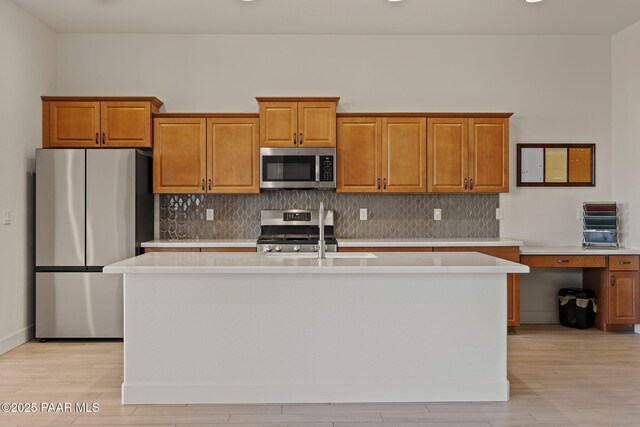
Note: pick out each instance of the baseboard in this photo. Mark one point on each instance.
(182, 393)
(18, 338)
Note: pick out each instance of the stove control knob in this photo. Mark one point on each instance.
(278, 248)
(267, 248)
(296, 248)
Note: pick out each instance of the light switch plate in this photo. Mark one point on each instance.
(580, 214)
(498, 213)
(363, 214)
(437, 214)
(209, 214)
(6, 217)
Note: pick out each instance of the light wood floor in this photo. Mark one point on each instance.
(558, 376)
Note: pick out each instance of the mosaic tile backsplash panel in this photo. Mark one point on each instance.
(183, 216)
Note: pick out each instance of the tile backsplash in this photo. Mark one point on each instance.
(183, 216)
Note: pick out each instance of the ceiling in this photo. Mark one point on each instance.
(410, 17)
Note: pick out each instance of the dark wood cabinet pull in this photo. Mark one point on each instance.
(378, 183)
(103, 139)
(209, 184)
(300, 139)
(562, 261)
(471, 184)
(97, 138)
(295, 136)
(624, 262)
(202, 184)
(384, 183)
(466, 183)
(613, 280)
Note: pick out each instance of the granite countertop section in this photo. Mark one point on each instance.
(350, 263)
(424, 242)
(575, 250)
(204, 243)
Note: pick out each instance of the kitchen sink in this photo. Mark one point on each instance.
(329, 255)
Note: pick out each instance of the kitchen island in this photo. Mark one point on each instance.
(356, 327)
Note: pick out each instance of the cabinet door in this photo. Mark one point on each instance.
(358, 152)
(513, 300)
(489, 155)
(179, 155)
(126, 124)
(317, 124)
(448, 155)
(404, 155)
(278, 124)
(624, 297)
(232, 155)
(74, 124)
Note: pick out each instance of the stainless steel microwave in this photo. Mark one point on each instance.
(305, 168)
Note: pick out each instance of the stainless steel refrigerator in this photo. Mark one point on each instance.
(93, 207)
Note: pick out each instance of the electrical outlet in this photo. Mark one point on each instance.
(498, 213)
(6, 217)
(580, 214)
(437, 214)
(363, 214)
(209, 214)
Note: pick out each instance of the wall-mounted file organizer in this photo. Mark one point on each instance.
(600, 225)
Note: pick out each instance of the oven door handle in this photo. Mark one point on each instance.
(317, 168)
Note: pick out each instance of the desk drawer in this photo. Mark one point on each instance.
(624, 263)
(564, 261)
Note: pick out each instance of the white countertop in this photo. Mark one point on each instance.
(248, 263)
(423, 242)
(344, 243)
(575, 250)
(201, 243)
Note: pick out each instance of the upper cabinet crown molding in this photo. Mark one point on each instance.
(426, 114)
(97, 122)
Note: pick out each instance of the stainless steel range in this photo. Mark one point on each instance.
(295, 230)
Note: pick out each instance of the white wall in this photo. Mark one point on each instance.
(558, 86)
(626, 130)
(28, 71)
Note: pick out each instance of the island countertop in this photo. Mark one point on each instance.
(357, 263)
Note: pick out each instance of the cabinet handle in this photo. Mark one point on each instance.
(209, 184)
(613, 280)
(300, 139)
(384, 181)
(624, 262)
(202, 184)
(562, 261)
(466, 183)
(295, 135)
(378, 183)
(471, 184)
(97, 138)
(103, 139)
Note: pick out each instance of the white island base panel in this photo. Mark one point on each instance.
(305, 338)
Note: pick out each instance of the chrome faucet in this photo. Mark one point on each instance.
(321, 242)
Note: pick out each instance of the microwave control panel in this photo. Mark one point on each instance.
(326, 168)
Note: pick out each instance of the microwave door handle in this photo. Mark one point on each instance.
(317, 168)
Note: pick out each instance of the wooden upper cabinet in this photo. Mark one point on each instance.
(278, 124)
(624, 298)
(71, 124)
(404, 154)
(126, 124)
(317, 124)
(179, 155)
(468, 154)
(233, 155)
(489, 155)
(97, 122)
(358, 151)
(298, 122)
(448, 155)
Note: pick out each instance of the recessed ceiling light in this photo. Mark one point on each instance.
(394, 1)
(533, 1)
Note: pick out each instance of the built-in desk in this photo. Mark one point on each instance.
(613, 274)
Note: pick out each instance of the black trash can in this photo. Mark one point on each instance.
(577, 307)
